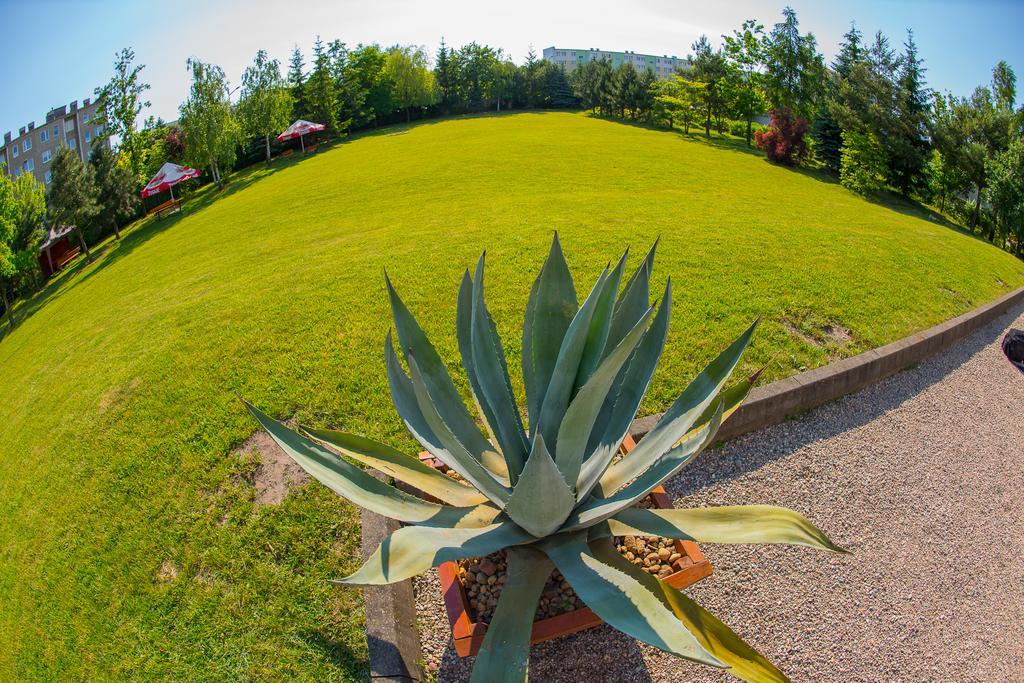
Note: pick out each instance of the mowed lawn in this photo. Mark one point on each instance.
(130, 544)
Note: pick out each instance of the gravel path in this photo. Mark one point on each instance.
(921, 476)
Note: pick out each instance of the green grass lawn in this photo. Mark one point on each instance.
(129, 542)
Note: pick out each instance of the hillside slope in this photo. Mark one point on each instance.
(130, 541)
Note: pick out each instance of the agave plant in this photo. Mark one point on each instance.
(550, 490)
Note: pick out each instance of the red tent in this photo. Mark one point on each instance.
(299, 130)
(167, 177)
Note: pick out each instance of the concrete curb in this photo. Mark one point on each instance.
(784, 398)
(394, 644)
(392, 638)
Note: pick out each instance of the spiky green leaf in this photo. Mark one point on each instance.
(563, 378)
(729, 524)
(634, 299)
(541, 499)
(412, 550)
(600, 324)
(403, 395)
(596, 510)
(581, 415)
(492, 377)
(359, 487)
(621, 600)
(628, 389)
(453, 452)
(549, 312)
(403, 467)
(504, 654)
(713, 636)
(437, 381)
(680, 418)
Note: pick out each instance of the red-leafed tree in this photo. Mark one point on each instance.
(784, 141)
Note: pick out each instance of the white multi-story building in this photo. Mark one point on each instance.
(663, 66)
(32, 150)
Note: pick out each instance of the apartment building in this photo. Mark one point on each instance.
(33, 149)
(663, 66)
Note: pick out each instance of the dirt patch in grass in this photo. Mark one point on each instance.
(813, 332)
(274, 472)
(167, 572)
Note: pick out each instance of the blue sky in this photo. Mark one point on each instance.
(55, 51)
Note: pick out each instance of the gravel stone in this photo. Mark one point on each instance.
(919, 475)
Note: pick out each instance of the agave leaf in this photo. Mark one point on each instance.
(454, 453)
(541, 500)
(563, 379)
(582, 413)
(600, 324)
(464, 334)
(404, 397)
(731, 398)
(412, 550)
(728, 524)
(629, 387)
(549, 312)
(400, 466)
(632, 302)
(597, 510)
(359, 487)
(504, 654)
(436, 379)
(679, 418)
(714, 637)
(492, 376)
(621, 600)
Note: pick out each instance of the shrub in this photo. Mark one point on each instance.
(862, 163)
(784, 141)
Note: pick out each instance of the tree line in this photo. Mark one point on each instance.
(869, 118)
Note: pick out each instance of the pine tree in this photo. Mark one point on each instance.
(320, 92)
(909, 148)
(444, 76)
(559, 94)
(827, 132)
(116, 196)
(71, 200)
(296, 79)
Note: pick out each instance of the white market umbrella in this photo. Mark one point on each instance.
(299, 130)
(167, 177)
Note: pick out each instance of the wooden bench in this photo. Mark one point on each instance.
(170, 206)
(311, 148)
(286, 153)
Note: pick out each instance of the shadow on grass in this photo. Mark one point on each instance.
(749, 453)
(340, 654)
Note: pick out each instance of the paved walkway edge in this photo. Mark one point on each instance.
(394, 644)
(785, 398)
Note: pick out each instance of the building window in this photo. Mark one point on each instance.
(85, 118)
(26, 144)
(72, 143)
(99, 131)
(69, 125)
(56, 132)
(48, 177)
(88, 137)
(29, 165)
(15, 148)
(44, 135)
(47, 155)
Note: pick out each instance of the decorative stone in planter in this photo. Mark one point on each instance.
(468, 628)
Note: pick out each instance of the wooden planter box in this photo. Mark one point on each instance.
(468, 634)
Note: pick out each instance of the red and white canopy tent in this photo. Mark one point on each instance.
(299, 130)
(167, 177)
